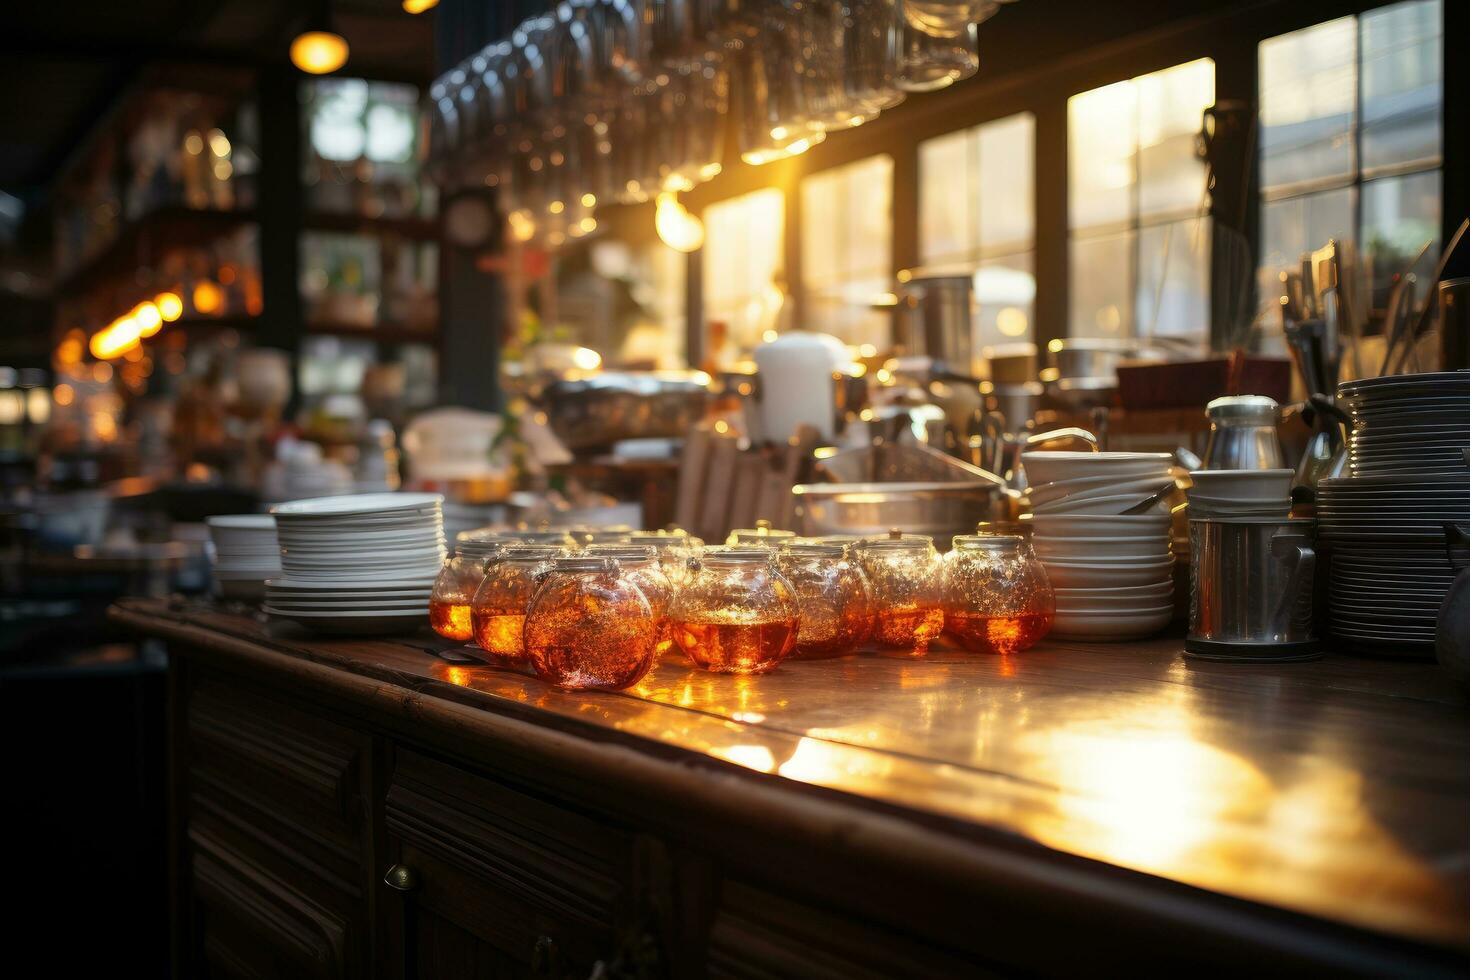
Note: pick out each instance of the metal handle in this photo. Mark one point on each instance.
(401, 878)
(1457, 535)
(1295, 549)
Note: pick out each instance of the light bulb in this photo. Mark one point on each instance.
(319, 52)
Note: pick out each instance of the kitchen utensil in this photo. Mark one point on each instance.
(1243, 434)
(598, 411)
(1411, 338)
(946, 311)
(1251, 596)
(1454, 323)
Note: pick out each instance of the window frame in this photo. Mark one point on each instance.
(1228, 35)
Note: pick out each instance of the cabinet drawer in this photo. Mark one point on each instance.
(539, 882)
(278, 780)
(759, 933)
(251, 922)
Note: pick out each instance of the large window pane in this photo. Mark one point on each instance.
(742, 261)
(1171, 104)
(1301, 224)
(1308, 86)
(1174, 279)
(1102, 286)
(1140, 252)
(947, 231)
(1402, 71)
(1005, 294)
(846, 248)
(1400, 214)
(1007, 150)
(1102, 127)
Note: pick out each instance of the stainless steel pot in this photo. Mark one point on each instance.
(1096, 357)
(941, 510)
(946, 314)
(606, 408)
(912, 487)
(1251, 593)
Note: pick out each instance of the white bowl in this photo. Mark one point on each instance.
(1242, 485)
(1111, 600)
(1049, 467)
(359, 504)
(1101, 525)
(1124, 550)
(1121, 625)
(1111, 504)
(1091, 575)
(1093, 486)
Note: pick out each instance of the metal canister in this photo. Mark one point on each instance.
(1251, 590)
(1243, 434)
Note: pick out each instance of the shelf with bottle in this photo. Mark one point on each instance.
(172, 166)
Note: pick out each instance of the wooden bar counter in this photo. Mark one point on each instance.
(352, 808)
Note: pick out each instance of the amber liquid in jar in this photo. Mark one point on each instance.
(451, 620)
(737, 648)
(500, 633)
(912, 626)
(590, 626)
(1006, 633)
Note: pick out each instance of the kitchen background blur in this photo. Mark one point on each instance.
(224, 277)
(227, 279)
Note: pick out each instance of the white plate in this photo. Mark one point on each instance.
(1096, 486)
(1049, 467)
(1113, 504)
(362, 503)
(1110, 626)
(1115, 592)
(388, 606)
(1126, 551)
(1101, 525)
(253, 522)
(1097, 575)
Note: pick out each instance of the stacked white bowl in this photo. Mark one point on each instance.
(357, 564)
(245, 554)
(1240, 493)
(1113, 573)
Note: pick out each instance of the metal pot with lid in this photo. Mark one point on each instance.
(1243, 434)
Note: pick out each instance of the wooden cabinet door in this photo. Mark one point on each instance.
(273, 838)
(492, 881)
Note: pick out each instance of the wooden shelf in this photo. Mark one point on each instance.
(418, 229)
(142, 242)
(383, 333)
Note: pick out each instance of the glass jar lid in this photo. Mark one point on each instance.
(815, 549)
(736, 555)
(624, 553)
(533, 552)
(584, 563)
(762, 533)
(897, 541)
(998, 543)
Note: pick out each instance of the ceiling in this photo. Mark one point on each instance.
(64, 63)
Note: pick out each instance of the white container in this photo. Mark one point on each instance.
(797, 384)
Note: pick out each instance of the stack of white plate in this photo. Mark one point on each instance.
(1113, 575)
(245, 554)
(1240, 493)
(1416, 423)
(1386, 540)
(357, 564)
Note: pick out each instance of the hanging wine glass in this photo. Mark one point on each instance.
(928, 63)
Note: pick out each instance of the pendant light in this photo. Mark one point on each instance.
(319, 49)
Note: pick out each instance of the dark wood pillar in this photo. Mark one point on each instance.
(280, 207)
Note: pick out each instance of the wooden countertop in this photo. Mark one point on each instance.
(1337, 790)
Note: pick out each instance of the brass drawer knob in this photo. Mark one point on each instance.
(401, 877)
